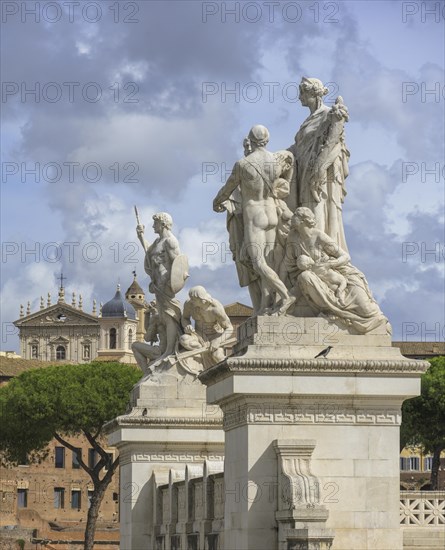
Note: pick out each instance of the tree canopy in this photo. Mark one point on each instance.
(65, 399)
(60, 400)
(423, 417)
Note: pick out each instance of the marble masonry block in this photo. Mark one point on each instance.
(347, 403)
(304, 334)
(170, 426)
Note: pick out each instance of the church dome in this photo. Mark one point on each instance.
(118, 307)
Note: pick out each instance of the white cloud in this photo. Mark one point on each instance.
(171, 132)
(83, 48)
(206, 245)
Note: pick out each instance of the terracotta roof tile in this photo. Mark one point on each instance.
(10, 367)
(238, 310)
(421, 348)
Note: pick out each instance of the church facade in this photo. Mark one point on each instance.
(65, 332)
(58, 332)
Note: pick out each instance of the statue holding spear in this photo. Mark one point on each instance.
(167, 269)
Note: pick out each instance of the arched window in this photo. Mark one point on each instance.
(112, 338)
(130, 338)
(60, 353)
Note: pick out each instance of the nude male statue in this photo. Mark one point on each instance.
(255, 175)
(212, 326)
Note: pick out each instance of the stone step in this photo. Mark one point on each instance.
(424, 544)
(424, 540)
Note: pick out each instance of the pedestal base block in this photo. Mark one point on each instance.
(340, 413)
(168, 427)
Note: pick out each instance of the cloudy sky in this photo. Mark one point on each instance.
(110, 104)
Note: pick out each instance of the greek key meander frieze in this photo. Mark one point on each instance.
(173, 457)
(299, 415)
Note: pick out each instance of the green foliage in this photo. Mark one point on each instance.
(423, 417)
(63, 399)
(21, 543)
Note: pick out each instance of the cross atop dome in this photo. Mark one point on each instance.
(61, 278)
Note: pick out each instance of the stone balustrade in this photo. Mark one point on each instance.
(422, 519)
(422, 508)
(189, 508)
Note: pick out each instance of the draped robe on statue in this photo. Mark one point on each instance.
(358, 309)
(320, 151)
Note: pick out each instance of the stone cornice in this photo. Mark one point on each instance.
(179, 422)
(249, 365)
(77, 316)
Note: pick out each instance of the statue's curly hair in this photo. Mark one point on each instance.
(306, 215)
(164, 218)
(200, 292)
(314, 85)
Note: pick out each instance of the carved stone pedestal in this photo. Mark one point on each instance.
(169, 426)
(300, 516)
(347, 403)
(309, 537)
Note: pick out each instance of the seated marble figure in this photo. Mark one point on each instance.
(352, 304)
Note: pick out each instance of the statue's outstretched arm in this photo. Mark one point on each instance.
(186, 317)
(224, 322)
(230, 186)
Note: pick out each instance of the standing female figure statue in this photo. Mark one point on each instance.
(321, 160)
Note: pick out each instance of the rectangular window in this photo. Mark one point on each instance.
(59, 497)
(428, 463)
(75, 499)
(193, 542)
(212, 542)
(75, 463)
(410, 464)
(90, 496)
(59, 457)
(24, 460)
(110, 461)
(34, 351)
(60, 353)
(22, 498)
(92, 458)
